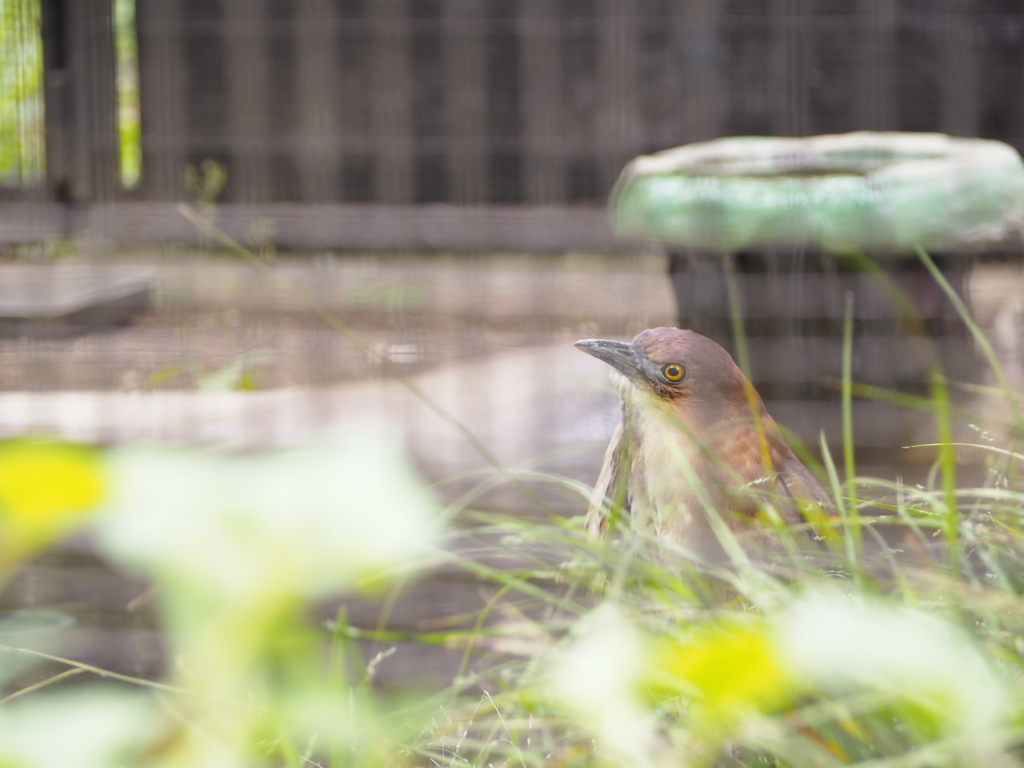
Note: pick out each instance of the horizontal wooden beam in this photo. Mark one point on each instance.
(331, 226)
(32, 222)
(532, 229)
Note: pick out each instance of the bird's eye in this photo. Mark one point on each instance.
(673, 372)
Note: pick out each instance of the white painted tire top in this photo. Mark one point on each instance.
(873, 193)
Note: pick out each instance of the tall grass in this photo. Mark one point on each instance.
(890, 634)
(895, 642)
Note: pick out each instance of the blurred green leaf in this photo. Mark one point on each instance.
(237, 375)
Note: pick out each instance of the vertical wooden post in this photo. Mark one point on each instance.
(319, 160)
(390, 102)
(790, 61)
(352, 93)
(430, 100)
(503, 114)
(245, 39)
(465, 148)
(701, 85)
(959, 64)
(875, 97)
(94, 163)
(543, 129)
(618, 119)
(162, 99)
(57, 97)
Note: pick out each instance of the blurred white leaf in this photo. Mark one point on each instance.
(597, 674)
(303, 522)
(836, 639)
(83, 728)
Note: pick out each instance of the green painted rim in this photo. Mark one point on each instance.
(866, 192)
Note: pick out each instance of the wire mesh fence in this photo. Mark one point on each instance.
(453, 125)
(471, 101)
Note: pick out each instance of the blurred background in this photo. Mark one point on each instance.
(465, 102)
(437, 171)
(433, 174)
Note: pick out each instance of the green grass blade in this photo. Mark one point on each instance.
(979, 337)
(947, 464)
(847, 395)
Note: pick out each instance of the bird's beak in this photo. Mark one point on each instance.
(621, 355)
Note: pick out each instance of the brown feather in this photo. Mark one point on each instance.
(610, 481)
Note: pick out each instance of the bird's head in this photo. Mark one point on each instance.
(673, 365)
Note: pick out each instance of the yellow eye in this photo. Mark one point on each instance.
(673, 372)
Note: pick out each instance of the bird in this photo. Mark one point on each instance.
(695, 448)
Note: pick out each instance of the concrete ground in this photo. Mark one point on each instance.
(228, 355)
(232, 356)
(430, 347)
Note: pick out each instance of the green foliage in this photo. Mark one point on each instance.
(241, 373)
(22, 147)
(897, 654)
(239, 546)
(891, 634)
(625, 652)
(129, 125)
(206, 182)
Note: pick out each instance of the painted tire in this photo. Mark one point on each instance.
(868, 192)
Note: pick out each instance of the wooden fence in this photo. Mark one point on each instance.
(503, 102)
(542, 102)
